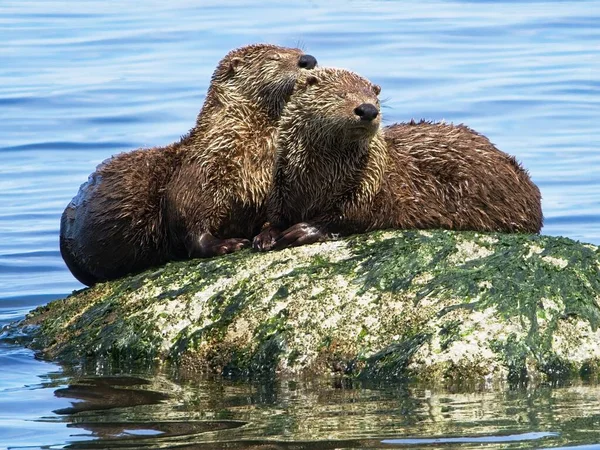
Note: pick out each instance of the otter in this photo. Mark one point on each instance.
(193, 198)
(338, 172)
(216, 199)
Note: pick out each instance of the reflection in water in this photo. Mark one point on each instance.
(125, 395)
(100, 393)
(578, 447)
(472, 439)
(206, 414)
(110, 430)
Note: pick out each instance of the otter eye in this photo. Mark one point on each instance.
(342, 95)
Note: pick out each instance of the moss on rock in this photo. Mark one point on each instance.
(435, 305)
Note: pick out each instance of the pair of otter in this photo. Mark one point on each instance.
(279, 140)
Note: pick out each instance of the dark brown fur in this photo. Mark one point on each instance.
(198, 197)
(336, 174)
(116, 225)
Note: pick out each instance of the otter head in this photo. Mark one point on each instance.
(264, 74)
(336, 104)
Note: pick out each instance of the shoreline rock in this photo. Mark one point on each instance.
(435, 306)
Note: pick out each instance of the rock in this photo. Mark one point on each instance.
(432, 305)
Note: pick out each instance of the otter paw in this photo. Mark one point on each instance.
(208, 245)
(230, 246)
(300, 234)
(263, 242)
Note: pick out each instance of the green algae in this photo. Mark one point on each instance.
(435, 305)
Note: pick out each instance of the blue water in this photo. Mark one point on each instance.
(81, 81)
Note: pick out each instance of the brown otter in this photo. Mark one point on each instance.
(216, 199)
(336, 171)
(197, 197)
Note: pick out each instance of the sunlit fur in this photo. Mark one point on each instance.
(222, 184)
(345, 179)
(139, 209)
(326, 159)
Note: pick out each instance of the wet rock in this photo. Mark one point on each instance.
(432, 305)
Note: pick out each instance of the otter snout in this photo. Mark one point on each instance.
(366, 111)
(307, 62)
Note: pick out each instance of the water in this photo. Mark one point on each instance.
(80, 81)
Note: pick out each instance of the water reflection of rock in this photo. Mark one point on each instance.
(96, 394)
(315, 412)
(131, 399)
(143, 430)
(323, 414)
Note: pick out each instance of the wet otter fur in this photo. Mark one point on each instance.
(115, 224)
(197, 197)
(337, 171)
(216, 200)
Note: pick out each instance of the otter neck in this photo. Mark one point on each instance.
(264, 103)
(320, 161)
(271, 107)
(348, 160)
(221, 98)
(327, 145)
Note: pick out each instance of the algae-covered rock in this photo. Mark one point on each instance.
(435, 305)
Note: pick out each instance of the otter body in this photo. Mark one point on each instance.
(460, 180)
(116, 224)
(337, 171)
(199, 197)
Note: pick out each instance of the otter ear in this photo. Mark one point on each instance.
(311, 80)
(376, 89)
(234, 64)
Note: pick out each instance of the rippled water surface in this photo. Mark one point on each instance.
(81, 81)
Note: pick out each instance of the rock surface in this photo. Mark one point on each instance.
(432, 305)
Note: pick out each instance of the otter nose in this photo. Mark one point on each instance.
(366, 111)
(307, 62)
